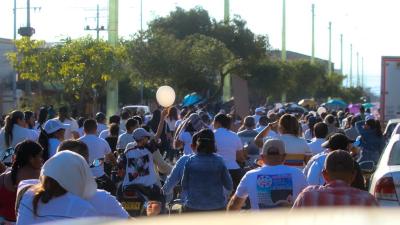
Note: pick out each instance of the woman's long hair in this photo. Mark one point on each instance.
(24, 151)
(44, 142)
(42, 117)
(45, 191)
(11, 120)
(288, 124)
(375, 125)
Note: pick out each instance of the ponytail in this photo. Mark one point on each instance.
(45, 191)
(14, 173)
(9, 125)
(44, 142)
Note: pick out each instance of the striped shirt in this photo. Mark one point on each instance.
(335, 193)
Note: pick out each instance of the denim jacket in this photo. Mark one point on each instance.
(204, 178)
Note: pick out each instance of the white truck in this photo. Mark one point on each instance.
(390, 88)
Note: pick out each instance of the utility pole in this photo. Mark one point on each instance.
(351, 65)
(362, 72)
(14, 77)
(98, 27)
(283, 30)
(330, 50)
(313, 33)
(226, 90)
(341, 54)
(141, 30)
(226, 11)
(358, 71)
(112, 85)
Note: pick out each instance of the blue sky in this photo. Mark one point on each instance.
(370, 25)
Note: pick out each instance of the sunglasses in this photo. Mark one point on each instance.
(97, 163)
(9, 152)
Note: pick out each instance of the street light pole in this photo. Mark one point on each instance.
(358, 71)
(283, 30)
(313, 33)
(341, 54)
(14, 77)
(330, 50)
(112, 85)
(362, 72)
(141, 30)
(97, 22)
(351, 65)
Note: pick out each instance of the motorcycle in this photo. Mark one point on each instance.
(132, 199)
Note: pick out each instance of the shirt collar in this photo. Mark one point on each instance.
(337, 183)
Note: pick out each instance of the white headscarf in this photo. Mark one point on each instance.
(72, 172)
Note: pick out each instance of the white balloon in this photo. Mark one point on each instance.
(321, 110)
(165, 96)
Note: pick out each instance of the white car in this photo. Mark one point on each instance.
(385, 183)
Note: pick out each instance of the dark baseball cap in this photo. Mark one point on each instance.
(337, 141)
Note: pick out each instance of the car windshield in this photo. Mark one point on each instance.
(395, 154)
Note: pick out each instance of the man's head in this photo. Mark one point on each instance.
(90, 126)
(75, 146)
(320, 130)
(100, 117)
(222, 121)
(337, 141)
(329, 119)
(131, 125)
(249, 123)
(339, 165)
(114, 119)
(63, 112)
(195, 138)
(273, 152)
(263, 121)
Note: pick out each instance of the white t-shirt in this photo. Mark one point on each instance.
(106, 133)
(139, 168)
(315, 145)
(124, 139)
(73, 127)
(101, 127)
(186, 138)
(295, 145)
(271, 186)
(19, 134)
(67, 206)
(314, 173)
(104, 203)
(228, 143)
(98, 148)
(53, 145)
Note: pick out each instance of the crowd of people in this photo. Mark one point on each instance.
(56, 167)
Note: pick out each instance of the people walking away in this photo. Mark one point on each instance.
(27, 164)
(100, 151)
(320, 131)
(352, 132)
(339, 172)
(126, 138)
(205, 177)
(273, 185)
(104, 203)
(101, 122)
(112, 139)
(247, 137)
(337, 141)
(42, 118)
(371, 140)
(229, 147)
(113, 119)
(14, 132)
(64, 117)
(61, 193)
(175, 177)
(297, 150)
(137, 167)
(51, 136)
(185, 131)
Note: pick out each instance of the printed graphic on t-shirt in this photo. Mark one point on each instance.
(274, 190)
(138, 167)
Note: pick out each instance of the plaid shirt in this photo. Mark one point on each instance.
(334, 193)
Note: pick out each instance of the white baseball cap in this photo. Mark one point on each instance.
(260, 110)
(52, 126)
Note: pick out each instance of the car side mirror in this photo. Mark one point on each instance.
(368, 166)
